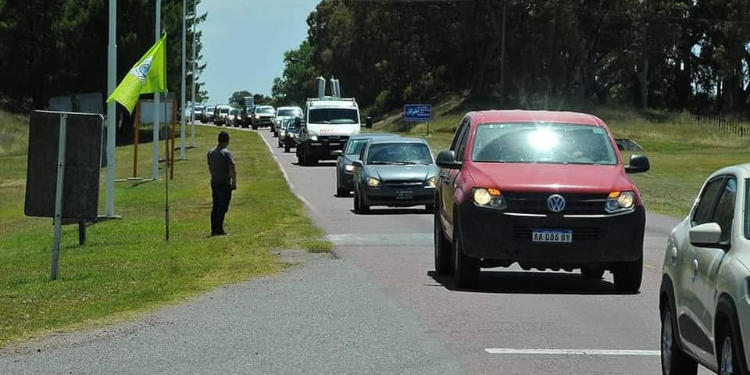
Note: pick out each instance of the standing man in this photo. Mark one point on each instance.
(223, 181)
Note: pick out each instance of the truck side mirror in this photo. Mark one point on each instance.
(368, 122)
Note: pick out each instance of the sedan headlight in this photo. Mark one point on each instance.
(489, 198)
(432, 181)
(373, 182)
(620, 201)
(349, 168)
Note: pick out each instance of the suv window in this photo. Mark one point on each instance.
(725, 209)
(704, 211)
(459, 132)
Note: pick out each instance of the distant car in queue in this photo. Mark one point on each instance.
(208, 114)
(344, 166)
(263, 116)
(289, 133)
(394, 172)
(233, 118)
(283, 113)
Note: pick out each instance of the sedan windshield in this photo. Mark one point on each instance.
(333, 116)
(543, 143)
(399, 153)
(289, 113)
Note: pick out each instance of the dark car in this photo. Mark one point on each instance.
(394, 172)
(344, 166)
(548, 190)
(289, 133)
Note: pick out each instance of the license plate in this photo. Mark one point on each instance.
(562, 235)
(404, 194)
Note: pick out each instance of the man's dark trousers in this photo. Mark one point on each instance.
(222, 194)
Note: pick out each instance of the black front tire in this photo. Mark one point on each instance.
(673, 360)
(628, 276)
(286, 148)
(465, 268)
(442, 247)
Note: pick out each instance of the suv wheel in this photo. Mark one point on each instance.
(465, 268)
(673, 360)
(443, 264)
(628, 276)
(358, 206)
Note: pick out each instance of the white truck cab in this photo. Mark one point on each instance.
(329, 122)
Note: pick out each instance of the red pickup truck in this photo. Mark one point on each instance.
(546, 190)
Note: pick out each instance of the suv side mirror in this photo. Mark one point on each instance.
(638, 164)
(357, 163)
(706, 235)
(447, 159)
(368, 122)
(337, 153)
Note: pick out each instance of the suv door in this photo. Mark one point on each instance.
(448, 176)
(692, 312)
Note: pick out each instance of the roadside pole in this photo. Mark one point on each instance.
(111, 109)
(182, 89)
(157, 122)
(192, 115)
(59, 196)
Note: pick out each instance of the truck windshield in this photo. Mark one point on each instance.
(399, 153)
(543, 143)
(289, 113)
(224, 110)
(333, 116)
(264, 110)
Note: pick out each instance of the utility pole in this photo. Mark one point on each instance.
(502, 57)
(111, 109)
(182, 87)
(192, 115)
(157, 122)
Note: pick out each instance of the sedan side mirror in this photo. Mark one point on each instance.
(706, 235)
(638, 164)
(368, 122)
(447, 159)
(357, 163)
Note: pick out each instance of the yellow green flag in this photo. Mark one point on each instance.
(148, 75)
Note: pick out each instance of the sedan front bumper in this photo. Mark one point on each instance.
(398, 196)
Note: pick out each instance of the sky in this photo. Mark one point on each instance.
(244, 43)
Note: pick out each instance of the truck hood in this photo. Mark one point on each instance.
(414, 173)
(538, 177)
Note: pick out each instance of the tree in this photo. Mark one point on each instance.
(238, 98)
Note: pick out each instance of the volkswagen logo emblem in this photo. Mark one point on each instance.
(556, 203)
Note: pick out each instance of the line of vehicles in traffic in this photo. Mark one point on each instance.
(550, 190)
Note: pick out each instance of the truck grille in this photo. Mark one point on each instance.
(334, 138)
(536, 203)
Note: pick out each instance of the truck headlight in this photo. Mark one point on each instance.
(349, 168)
(432, 181)
(620, 201)
(489, 198)
(373, 182)
(313, 137)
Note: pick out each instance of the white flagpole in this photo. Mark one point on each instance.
(192, 115)
(111, 110)
(182, 89)
(157, 122)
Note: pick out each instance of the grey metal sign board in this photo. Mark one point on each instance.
(82, 157)
(165, 111)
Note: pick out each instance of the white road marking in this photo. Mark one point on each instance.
(572, 352)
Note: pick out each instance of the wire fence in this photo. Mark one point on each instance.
(726, 125)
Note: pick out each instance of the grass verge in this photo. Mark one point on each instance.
(126, 266)
(682, 152)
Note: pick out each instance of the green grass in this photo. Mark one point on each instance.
(682, 152)
(126, 265)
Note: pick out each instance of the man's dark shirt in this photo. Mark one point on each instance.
(219, 160)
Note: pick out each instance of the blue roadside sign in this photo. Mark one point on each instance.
(417, 112)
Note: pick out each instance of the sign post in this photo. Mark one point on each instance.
(58, 196)
(418, 113)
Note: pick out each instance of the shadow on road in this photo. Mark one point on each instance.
(395, 211)
(528, 282)
(318, 164)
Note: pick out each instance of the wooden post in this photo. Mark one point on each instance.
(171, 151)
(135, 142)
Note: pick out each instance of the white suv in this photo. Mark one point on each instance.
(704, 302)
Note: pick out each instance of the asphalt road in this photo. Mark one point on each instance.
(377, 307)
